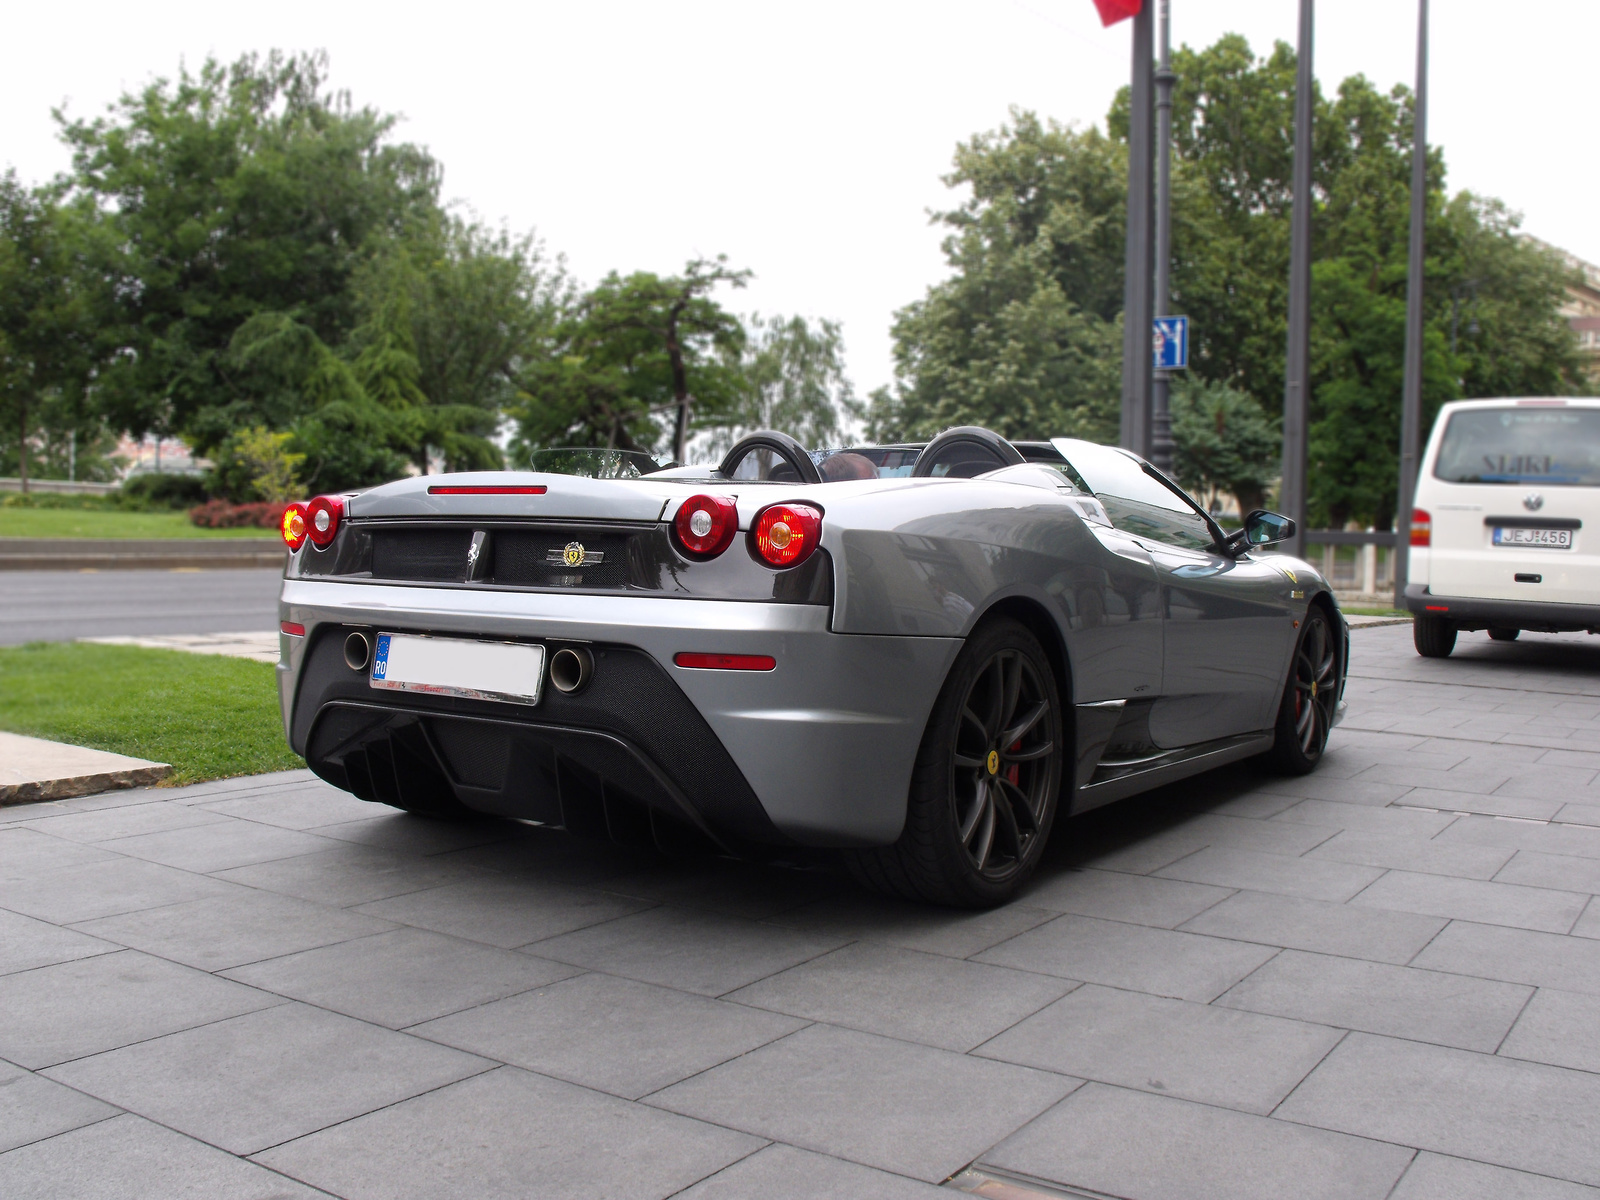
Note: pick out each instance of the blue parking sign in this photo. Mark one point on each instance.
(1171, 346)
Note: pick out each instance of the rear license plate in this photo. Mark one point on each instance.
(1548, 539)
(511, 671)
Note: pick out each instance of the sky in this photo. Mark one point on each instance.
(805, 142)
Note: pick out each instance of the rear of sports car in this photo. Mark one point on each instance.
(644, 660)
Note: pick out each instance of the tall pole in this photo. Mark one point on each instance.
(1138, 311)
(1161, 383)
(1411, 394)
(1296, 381)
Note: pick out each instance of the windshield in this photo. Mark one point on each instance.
(1557, 447)
(1136, 502)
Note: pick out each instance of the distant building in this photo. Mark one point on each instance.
(1582, 309)
(169, 455)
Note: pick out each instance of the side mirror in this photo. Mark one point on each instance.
(1262, 528)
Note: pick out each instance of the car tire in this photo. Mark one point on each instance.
(986, 782)
(1434, 637)
(1310, 698)
(1501, 634)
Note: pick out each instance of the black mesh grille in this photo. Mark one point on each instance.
(522, 556)
(434, 555)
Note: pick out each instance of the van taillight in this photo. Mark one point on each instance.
(1421, 527)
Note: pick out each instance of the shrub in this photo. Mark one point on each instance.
(220, 514)
(160, 490)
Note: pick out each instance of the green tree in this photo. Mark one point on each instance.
(793, 381)
(1223, 442)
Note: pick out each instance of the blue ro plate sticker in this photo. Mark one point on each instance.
(380, 660)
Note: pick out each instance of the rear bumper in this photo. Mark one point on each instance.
(816, 752)
(1475, 613)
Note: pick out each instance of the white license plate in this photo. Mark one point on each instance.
(510, 671)
(1548, 539)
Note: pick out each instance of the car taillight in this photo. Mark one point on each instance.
(1421, 527)
(784, 535)
(322, 519)
(705, 525)
(293, 526)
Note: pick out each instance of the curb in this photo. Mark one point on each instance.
(81, 785)
(102, 554)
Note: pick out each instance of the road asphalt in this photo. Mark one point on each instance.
(61, 605)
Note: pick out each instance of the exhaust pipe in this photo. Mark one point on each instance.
(570, 668)
(357, 651)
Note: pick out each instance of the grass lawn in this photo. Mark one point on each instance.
(1356, 610)
(209, 716)
(88, 523)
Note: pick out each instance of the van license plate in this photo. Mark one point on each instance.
(1547, 539)
(457, 667)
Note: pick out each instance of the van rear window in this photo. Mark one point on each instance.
(1551, 446)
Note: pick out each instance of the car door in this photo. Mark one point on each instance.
(1226, 629)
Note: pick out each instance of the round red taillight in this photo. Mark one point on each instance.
(293, 526)
(705, 525)
(322, 519)
(785, 535)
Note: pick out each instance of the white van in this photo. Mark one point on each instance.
(1506, 531)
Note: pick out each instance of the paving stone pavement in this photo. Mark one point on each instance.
(1382, 980)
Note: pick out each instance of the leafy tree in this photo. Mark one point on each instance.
(1223, 442)
(793, 381)
(634, 349)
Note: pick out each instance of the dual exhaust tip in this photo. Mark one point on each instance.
(571, 667)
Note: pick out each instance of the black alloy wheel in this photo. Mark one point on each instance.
(1434, 637)
(988, 774)
(1310, 697)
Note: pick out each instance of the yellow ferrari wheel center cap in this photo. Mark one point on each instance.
(1313, 689)
(994, 762)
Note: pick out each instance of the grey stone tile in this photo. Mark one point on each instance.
(1125, 1143)
(555, 856)
(1514, 1114)
(1245, 833)
(33, 1108)
(873, 1100)
(502, 912)
(1542, 780)
(302, 808)
(1186, 966)
(101, 889)
(924, 998)
(1315, 879)
(26, 943)
(1475, 900)
(241, 784)
(1578, 841)
(511, 1135)
(735, 889)
(1588, 925)
(217, 845)
(954, 932)
(102, 825)
(1426, 1006)
(1414, 854)
(400, 978)
(1559, 1028)
(417, 835)
(784, 1173)
(1387, 821)
(1515, 955)
(351, 875)
(1481, 778)
(253, 1081)
(1496, 804)
(1194, 1051)
(1435, 1177)
(228, 931)
(1572, 758)
(615, 1035)
(1319, 926)
(680, 948)
(1560, 871)
(128, 1157)
(94, 1004)
(1342, 791)
(27, 854)
(1259, 805)
(1140, 899)
(1579, 814)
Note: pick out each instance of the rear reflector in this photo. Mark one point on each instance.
(293, 628)
(1437, 607)
(534, 489)
(726, 662)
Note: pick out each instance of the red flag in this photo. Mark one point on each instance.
(1112, 11)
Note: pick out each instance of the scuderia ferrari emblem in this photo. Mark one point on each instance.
(573, 554)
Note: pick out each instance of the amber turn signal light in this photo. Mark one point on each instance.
(293, 526)
(785, 535)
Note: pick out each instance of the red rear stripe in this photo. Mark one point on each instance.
(726, 662)
(1437, 607)
(293, 628)
(537, 489)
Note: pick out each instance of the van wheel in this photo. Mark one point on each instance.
(1503, 635)
(1434, 637)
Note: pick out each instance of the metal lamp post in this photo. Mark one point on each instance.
(1161, 384)
(1296, 381)
(1138, 303)
(1411, 396)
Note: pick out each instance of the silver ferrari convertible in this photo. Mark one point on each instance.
(915, 657)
